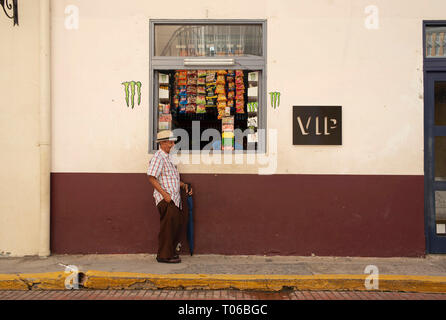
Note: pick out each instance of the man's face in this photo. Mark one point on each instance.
(167, 145)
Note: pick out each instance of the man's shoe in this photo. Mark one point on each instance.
(170, 260)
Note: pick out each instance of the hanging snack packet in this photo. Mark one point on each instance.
(221, 80)
(221, 113)
(192, 80)
(239, 106)
(222, 72)
(191, 89)
(220, 89)
(231, 94)
(239, 96)
(210, 76)
(239, 81)
(210, 86)
(202, 73)
(201, 90)
(239, 73)
(201, 99)
(221, 104)
(201, 108)
(201, 81)
(183, 100)
(192, 99)
(230, 103)
(240, 89)
(190, 108)
(221, 97)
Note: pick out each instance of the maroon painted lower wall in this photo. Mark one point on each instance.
(328, 215)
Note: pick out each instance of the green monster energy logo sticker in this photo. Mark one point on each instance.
(130, 90)
(275, 99)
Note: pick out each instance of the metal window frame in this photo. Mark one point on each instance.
(158, 63)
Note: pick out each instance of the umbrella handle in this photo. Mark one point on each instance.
(189, 186)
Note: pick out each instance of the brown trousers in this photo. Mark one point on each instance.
(170, 229)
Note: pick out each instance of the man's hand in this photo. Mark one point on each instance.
(167, 197)
(155, 183)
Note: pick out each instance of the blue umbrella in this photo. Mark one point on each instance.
(190, 224)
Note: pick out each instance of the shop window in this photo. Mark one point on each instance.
(435, 42)
(208, 84)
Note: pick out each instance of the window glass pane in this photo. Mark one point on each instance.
(218, 109)
(440, 158)
(440, 211)
(440, 104)
(436, 42)
(185, 40)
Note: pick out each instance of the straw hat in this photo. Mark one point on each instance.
(166, 135)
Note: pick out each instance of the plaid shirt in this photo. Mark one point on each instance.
(162, 168)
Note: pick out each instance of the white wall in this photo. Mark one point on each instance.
(19, 132)
(319, 53)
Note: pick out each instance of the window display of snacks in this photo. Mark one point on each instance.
(219, 99)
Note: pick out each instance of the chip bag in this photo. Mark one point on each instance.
(201, 108)
(221, 79)
(221, 97)
(220, 89)
(201, 99)
(201, 90)
(239, 106)
(210, 76)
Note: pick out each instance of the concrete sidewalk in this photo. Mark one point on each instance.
(267, 273)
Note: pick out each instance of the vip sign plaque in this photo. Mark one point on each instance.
(317, 125)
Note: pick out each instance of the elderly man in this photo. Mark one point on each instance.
(165, 179)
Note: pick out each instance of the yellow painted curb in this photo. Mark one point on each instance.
(101, 280)
(33, 281)
(124, 280)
